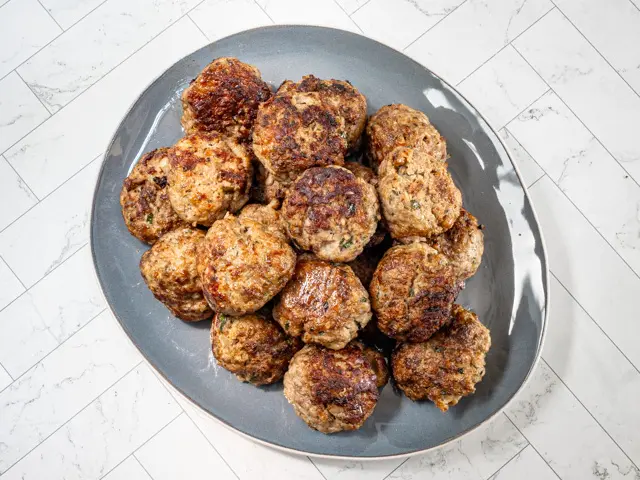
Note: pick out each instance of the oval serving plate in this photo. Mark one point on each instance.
(509, 293)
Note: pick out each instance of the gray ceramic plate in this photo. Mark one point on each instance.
(509, 292)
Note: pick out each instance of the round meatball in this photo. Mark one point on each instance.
(446, 367)
(224, 98)
(169, 270)
(331, 390)
(331, 212)
(144, 199)
(401, 126)
(417, 193)
(210, 175)
(324, 303)
(378, 362)
(340, 95)
(242, 266)
(363, 172)
(253, 347)
(412, 292)
(296, 131)
(267, 216)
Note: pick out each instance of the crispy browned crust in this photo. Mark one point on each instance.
(242, 266)
(412, 291)
(144, 198)
(378, 362)
(401, 126)
(363, 172)
(253, 347)
(296, 131)
(323, 303)
(169, 270)
(268, 216)
(331, 212)
(210, 175)
(342, 96)
(417, 194)
(462, 244)
(331, 390)
(224, 98)
(446, 367)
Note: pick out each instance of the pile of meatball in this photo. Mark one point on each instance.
(316, 268)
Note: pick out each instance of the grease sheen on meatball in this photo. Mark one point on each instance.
(342, 96)
(210, 175)
(169, 270)
(242, 266)
(144, 198)
(412, 292)
(324, 303)
(268, 216)
(224, 98)
(331, 212)
(401, 126)
(296, 131)
(253, 347)
(378, 362)
(417, 193)
(446, 367)
(331, 390)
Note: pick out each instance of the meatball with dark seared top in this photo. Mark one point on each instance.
(253, 347)
(331, 390)
(224, 98)
(323, 303)
(331, 212)
(446, 367)
(242, 266)
(169, 270)
(412, 291)
(144, 198)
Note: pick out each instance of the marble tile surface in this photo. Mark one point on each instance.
(11, 286)
(130, 469)
(350, 6)
(5, 379)
(529, 169)
(16, 197)
(526, 465)
(325, 13)
(68, 12)
(208, 13)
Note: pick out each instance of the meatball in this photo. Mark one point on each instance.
(360, 171)
(331, 390)
(242, 266)
(253, 347)
(296, 131)
(268, 216)
(266, 188)
(224, 98)
(417, 194)
(412, 292)
(210, 175)
(169, 270)
(463, 244)
(331, 212)
(446, 367)
(378, 362)
(324, 303)
(401, 126)
(144, 198)
(340, 95)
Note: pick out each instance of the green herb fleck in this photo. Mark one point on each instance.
(286, 325)
(150, 218)
(437, 349)
(411, 292)
(461, 370)
(444, 392)
(346, 243)
(415, 205)
(223, 321)
(364, 299)
(351, 208)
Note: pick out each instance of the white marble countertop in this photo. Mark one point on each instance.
(560, 78)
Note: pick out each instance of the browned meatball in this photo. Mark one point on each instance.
(462, 244)
(446, 367)
(378, 363)
(268, 216)
(331, 212)
(360, 171)
(412, 292)
(253, 347)
(296, 131)
(331, 390)
(323, 303)
(224, 98)
(144, 198)
(342, 96)
(242, 266)
(417, 194)
(210, 175)
(401, 126)
(169, 269)
(266, 188)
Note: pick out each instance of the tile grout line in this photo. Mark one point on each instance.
(264, 10)
(196, 25)
(394, 470)
(131, 455)
(506, 125)
(532, 184)
(23, 181)
(18, 278)
(594, 322)
(73, 416)
(591, 414)
(35, 95)
(51, 16)
(634, 5)
(10, 376)
(580, 120)
(510, 460)
(520, 145)
(431, 27)
(594, 47)
(352, 21)
(314, 463)
(360, 7)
